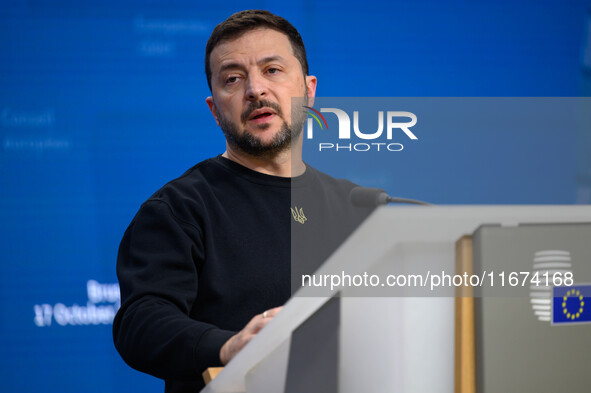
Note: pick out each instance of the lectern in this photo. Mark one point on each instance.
(398, 335)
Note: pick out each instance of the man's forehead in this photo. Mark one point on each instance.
(264, 42)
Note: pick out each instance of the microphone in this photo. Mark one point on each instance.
(372, 197)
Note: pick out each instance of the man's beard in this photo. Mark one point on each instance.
(252, 145)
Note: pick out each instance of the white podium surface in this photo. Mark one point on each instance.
(388, 344)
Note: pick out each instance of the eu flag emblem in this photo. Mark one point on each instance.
(571, 304)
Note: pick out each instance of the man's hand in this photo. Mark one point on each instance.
(243, 337)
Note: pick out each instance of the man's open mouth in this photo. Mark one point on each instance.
(261, 114)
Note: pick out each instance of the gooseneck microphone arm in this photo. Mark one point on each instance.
(372, 197)
(405, 200)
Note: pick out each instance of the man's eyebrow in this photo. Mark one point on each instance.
(270, 59)
(230, 66)
(264, 60)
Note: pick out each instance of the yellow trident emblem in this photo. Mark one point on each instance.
(298, 215)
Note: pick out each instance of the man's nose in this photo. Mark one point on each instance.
(256, 87)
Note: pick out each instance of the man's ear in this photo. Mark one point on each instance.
(311, 82)
(211, 106)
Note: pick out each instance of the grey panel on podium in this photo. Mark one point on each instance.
(520, 347)
(386, 344)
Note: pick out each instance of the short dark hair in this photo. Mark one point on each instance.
(248, 20)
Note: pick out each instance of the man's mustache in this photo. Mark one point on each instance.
(253, 106)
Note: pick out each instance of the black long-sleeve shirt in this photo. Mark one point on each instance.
(212, 249)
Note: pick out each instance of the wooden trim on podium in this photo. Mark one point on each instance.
(465, 362)
(211, 373)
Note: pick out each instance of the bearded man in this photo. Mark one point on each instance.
(208, 260)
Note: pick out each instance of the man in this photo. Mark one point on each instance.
(207, 260)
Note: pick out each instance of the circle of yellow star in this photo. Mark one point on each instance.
(576, 294)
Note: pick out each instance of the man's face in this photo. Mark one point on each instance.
(253, 80)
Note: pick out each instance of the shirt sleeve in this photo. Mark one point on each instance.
(157, 268)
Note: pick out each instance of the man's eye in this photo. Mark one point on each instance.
(273, 70)
(231, 79)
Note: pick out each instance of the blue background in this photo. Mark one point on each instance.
(102, 102)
